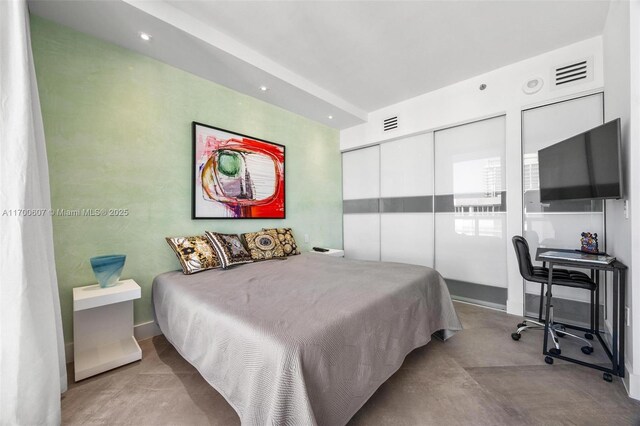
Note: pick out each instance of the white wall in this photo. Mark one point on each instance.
(621, 41)
(464, 102)
(634, 186)
(617, 71)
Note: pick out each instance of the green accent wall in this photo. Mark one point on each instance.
(118, 132)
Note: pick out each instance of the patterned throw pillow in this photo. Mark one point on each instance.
(285, 235)
(194, 253)
(263, 244)
(229, 248)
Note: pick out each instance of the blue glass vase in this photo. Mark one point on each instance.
(107, 269)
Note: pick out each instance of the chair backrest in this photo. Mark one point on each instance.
(523, 255)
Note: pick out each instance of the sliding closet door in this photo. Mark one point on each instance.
(559, 223)
(406, 191)
(360, 194)
(470, 209)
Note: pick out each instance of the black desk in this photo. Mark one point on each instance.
(616, 353)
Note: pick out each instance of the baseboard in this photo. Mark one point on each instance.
(478, 302)
(465, 301)
(631, 383)
(146, 330)
(493, 297)
(141, 331)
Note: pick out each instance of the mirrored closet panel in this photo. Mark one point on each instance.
(470, 207)
(558, 224)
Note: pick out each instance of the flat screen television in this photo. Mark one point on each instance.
(585, 166)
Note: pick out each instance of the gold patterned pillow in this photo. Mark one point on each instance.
(229, 249)
(285, 235)
(194, 253)
(263, 244)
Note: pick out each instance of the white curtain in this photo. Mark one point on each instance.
(32, 362)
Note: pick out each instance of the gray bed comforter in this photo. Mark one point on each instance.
(301, 341)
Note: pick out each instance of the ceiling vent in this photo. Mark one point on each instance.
(390, 123)
(572, 73)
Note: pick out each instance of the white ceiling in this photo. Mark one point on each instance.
(335, 58)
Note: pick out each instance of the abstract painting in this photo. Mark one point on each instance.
(236, 176)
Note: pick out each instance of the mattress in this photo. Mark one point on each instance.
(301, 341)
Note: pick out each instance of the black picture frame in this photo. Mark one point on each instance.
(280, 188)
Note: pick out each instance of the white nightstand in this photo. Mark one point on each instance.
(103, 328)
(331, 252)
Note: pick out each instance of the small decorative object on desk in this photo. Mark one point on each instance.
(589, 242)
(107, 269)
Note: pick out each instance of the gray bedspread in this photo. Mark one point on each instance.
(302, 341)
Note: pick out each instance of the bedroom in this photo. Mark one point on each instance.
(406, 147)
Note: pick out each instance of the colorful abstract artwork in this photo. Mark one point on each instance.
(236, 176)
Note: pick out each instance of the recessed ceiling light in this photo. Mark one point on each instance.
(144, 36)
(264, 88)
(532, 85)
(330, 117)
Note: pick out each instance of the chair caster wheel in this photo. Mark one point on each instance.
(555, 351)
(516, 336)
(588, 336)
(549, 360)
(607, 377)
(521, 325)
(560, 334)
(587, 350)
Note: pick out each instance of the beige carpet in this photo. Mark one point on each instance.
(478, 377)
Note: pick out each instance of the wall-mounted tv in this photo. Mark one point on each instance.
(585, 166)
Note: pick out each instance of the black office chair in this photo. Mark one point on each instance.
(561, 277)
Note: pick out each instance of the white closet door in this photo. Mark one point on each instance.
(406, 189)
(361, 174)
(407, 238)
(406, 167)
(360, 194)
(558, 224)
(362, 236)
(470, 204)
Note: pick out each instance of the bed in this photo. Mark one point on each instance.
(301, 341)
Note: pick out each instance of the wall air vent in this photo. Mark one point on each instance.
(572, 73)
(390, 123)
